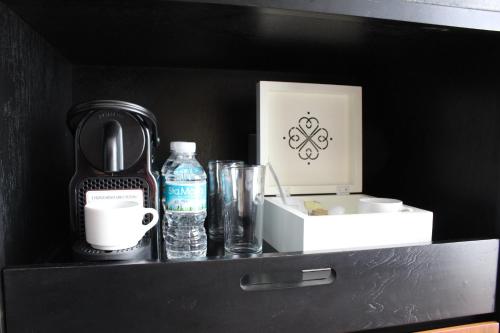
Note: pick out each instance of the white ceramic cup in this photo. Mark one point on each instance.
(116, 224)
(381, 205)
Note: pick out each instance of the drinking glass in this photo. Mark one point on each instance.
(215, 219)
(243, 206)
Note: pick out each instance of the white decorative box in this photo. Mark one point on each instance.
(311, 135)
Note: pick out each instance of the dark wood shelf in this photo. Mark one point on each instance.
(301, 36)
(463, 13)
(370, 289)
(62, 254)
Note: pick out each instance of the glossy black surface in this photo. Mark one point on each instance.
(102, 141)
(79, 111)
(373, 289)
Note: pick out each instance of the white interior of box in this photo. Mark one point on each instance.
(311, 134)
(349, 202)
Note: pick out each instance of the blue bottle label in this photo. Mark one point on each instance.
(190, 197)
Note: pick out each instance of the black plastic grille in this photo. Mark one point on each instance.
(108, 183)
(84, 249)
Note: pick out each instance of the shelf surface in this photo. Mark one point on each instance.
(476, 14)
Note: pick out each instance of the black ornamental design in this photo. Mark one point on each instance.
(308, 138)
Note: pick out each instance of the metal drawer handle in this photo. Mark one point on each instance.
(286, 280)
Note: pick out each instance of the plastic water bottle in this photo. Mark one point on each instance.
(184, 203)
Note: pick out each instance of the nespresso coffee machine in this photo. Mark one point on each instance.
(114, 142)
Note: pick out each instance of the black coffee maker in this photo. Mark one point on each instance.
(114, 142)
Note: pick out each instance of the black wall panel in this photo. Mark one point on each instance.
(432, 138)
(431, 134)
(215, 108)
(35, 147)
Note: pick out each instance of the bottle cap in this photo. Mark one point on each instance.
(183, 147)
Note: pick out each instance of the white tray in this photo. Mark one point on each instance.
(288, 230)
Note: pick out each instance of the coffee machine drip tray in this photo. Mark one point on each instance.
(83, 251)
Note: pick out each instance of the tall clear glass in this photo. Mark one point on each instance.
(243, 208)
(215, 219)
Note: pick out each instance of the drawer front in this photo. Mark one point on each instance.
(327, 292)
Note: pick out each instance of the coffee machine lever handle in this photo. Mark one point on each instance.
(113, 146)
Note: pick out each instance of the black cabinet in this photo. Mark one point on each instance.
(329, 292)
(431, 137)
